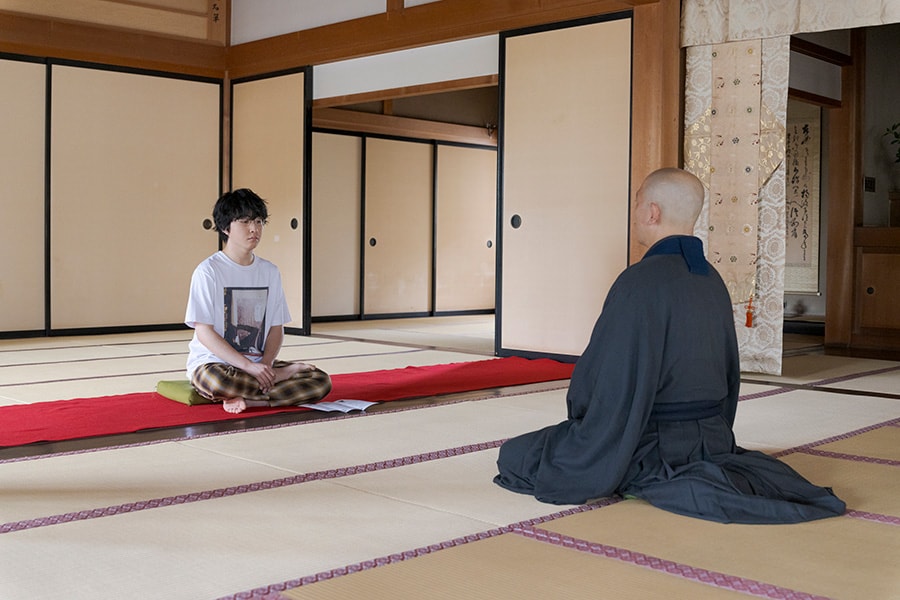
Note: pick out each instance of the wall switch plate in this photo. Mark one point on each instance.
(868, 184)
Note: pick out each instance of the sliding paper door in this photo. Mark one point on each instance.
(398, 240)
(22, 96)
(336, 223)
(466, 226)
(565, 181)
(268, 151)
(134, 171)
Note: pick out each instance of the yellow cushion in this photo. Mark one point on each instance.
(182, 391)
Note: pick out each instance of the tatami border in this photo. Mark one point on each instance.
(526, 529)
(342, 472)
(720, 580)
(837, 438)
(273, 591)
(258, 486)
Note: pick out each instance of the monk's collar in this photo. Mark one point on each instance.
(689, 247)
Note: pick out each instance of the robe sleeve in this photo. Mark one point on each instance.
(733, 368)
(609, 402)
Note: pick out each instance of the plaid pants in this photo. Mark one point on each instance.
(218, 381)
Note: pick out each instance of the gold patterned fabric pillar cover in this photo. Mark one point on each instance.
(734, 170)
(738, 154)
(708, 22)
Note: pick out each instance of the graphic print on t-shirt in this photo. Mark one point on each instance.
(245, 319)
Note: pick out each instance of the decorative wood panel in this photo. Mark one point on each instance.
(879, 290)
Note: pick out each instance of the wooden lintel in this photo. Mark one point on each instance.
(408, 91)
(360, 122)
(818, 52)
(46, 38)
(812, 98)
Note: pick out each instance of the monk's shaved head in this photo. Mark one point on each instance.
(678, 194)
(667, 203)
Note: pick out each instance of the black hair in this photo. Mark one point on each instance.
(239, 204)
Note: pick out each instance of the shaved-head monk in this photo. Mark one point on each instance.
(652, 400)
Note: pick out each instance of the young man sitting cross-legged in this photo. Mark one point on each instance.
(237, 309)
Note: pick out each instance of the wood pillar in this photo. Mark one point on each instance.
(845, 196)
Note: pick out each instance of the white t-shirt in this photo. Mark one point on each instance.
(240, 302)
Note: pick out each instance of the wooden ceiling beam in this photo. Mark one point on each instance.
(396, 29)
(360, 122)
(456, 85)
(411, 27)
(47, 38)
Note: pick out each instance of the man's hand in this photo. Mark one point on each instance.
(263, 373)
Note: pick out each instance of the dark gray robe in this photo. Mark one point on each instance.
(651, 406)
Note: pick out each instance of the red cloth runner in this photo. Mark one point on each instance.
(126, 413)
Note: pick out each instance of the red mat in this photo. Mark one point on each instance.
(126, 413)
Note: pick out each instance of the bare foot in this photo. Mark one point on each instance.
(234, 405)
(285, 373)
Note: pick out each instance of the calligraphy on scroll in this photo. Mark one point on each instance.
(802, 154)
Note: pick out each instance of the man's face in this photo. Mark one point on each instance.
(245, 232)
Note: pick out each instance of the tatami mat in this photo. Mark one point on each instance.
(13, 359)
(65, 389)
(754, 389)
(383, 436)
(864, 486)
(400, 503)
(83, 369)
(395, 360)
(109, 370)
(794, 417)
(71, 483)
(214, 547)
(841, 557)
(468, 333)
(508, 566)
(884, 382)
(68, 484)
(86, 341)
(817, 368)
(880, 443)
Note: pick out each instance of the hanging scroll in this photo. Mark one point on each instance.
(801, 268)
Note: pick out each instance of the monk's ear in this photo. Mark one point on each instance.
(655, 212)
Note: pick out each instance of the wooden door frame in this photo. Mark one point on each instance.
(844, 196)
